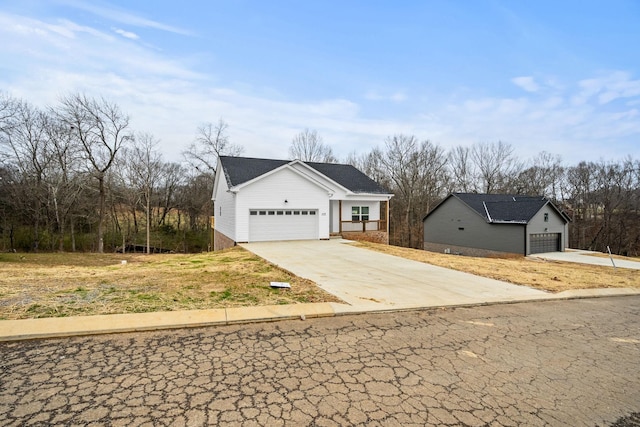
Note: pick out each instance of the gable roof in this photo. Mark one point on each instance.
(349, 177)
(504, 208)
(238, 170)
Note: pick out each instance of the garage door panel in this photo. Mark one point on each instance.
(544, 242)
(283, 224)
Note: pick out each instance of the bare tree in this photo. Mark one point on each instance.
(211, 142)
(308, 147)
(462, 170)
(65, 180)
(101, 129)
(171, 178)
(145, 164)
(544, 177)
(496, 165)
(8, 110)
(28, 145)
(371, 165)
(416, 172)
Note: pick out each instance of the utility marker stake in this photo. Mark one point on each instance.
(611, 257)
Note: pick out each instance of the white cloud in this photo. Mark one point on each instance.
(376, 95)
(126, 34)
(169, 98)
(583, 130)
(125, 17)
(526, 82)
(608, 88)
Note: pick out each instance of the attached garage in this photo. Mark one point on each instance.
(544, 242)
(493, 224)
(283, 224)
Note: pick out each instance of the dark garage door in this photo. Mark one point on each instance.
(545, 242)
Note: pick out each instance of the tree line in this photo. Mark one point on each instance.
(601, 198)
(76, 177)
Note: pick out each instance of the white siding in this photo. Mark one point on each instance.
(374, 214)
(374, 209)
(337, 192)
(271, 192)
(224, 210)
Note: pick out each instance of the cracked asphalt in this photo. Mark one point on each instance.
(573, 363)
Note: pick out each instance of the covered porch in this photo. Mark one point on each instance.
(360, 219)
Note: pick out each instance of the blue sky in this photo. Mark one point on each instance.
(558, 76)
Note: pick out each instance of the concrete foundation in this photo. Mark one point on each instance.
(463, 250)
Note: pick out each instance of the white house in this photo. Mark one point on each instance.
(264, 199)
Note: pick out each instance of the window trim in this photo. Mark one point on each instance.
(358, 213)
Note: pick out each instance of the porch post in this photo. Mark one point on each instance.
(340, 215)
(388, 201)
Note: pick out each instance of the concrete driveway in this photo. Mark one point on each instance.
(587, 257)
(369, 280)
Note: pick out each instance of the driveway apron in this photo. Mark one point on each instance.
(370, 280)
(588, 257)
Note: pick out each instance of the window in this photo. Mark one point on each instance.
(280, 213)
(287, 212)
(546, 217)
(272, 212)
(253, 212)
(360, 213)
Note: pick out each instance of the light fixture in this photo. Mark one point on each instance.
(286, 201)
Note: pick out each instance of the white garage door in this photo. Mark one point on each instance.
(283, 224)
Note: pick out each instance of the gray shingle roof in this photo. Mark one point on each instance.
(509, 208)
(349, 177)
(238, 170)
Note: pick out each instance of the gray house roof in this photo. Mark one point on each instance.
(238, 170)
(504, 208)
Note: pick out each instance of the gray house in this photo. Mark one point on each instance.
(495, 224)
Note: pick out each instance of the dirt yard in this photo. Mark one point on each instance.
(547, 275)
(67, 284)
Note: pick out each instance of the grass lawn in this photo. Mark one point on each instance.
(69, 284)
(551, 276)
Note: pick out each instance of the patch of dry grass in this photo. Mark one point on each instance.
(55, 284)
(551, 276)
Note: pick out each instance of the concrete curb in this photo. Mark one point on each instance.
(57, 327)
(54, 327)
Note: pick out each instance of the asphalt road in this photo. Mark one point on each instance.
(574, 363)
